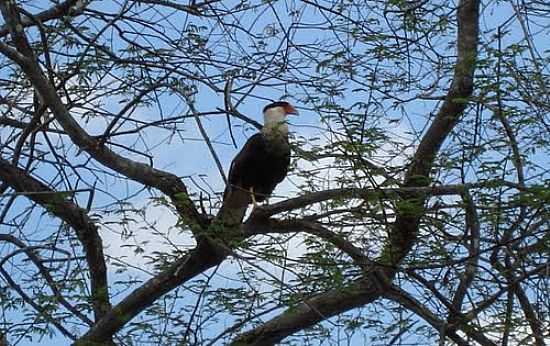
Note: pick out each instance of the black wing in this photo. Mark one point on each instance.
(260, 166)
(245, 164)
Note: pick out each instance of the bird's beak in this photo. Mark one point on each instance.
(291, 110)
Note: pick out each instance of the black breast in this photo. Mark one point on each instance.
(260, 165)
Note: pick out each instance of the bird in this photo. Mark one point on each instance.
(263, 161)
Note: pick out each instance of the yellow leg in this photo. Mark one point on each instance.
(253, 197)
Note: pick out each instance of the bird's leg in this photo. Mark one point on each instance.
(253, 197)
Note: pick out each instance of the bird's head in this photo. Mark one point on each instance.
(282, 107)
(276, 112)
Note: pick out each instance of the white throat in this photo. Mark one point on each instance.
(275, 122)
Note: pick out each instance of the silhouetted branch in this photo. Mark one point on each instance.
(403, 233)
(86, 231)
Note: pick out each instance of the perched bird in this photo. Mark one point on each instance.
(263, 161)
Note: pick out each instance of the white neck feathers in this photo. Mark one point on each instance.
(275, 122)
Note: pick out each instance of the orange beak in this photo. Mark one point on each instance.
(289, 109)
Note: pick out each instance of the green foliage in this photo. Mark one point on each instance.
(369, 78)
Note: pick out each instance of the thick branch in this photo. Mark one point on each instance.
(76, 217)
(367, 193)
(210, 251)
(403, 232)
(206, 255)
(69, 7)
(316, 309)
(166, 182)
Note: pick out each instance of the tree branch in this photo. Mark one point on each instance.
(166, 182)
(86, 231)
(33, 256)
(254, 227)
(534, 322)
(403, 233)
(316, 309)
(69, 7)
(206, 255)
(367, 193)
(405, 299)
(472, 223)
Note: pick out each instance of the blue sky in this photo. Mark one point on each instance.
(183, 151)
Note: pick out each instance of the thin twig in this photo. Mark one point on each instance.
(207, 139)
